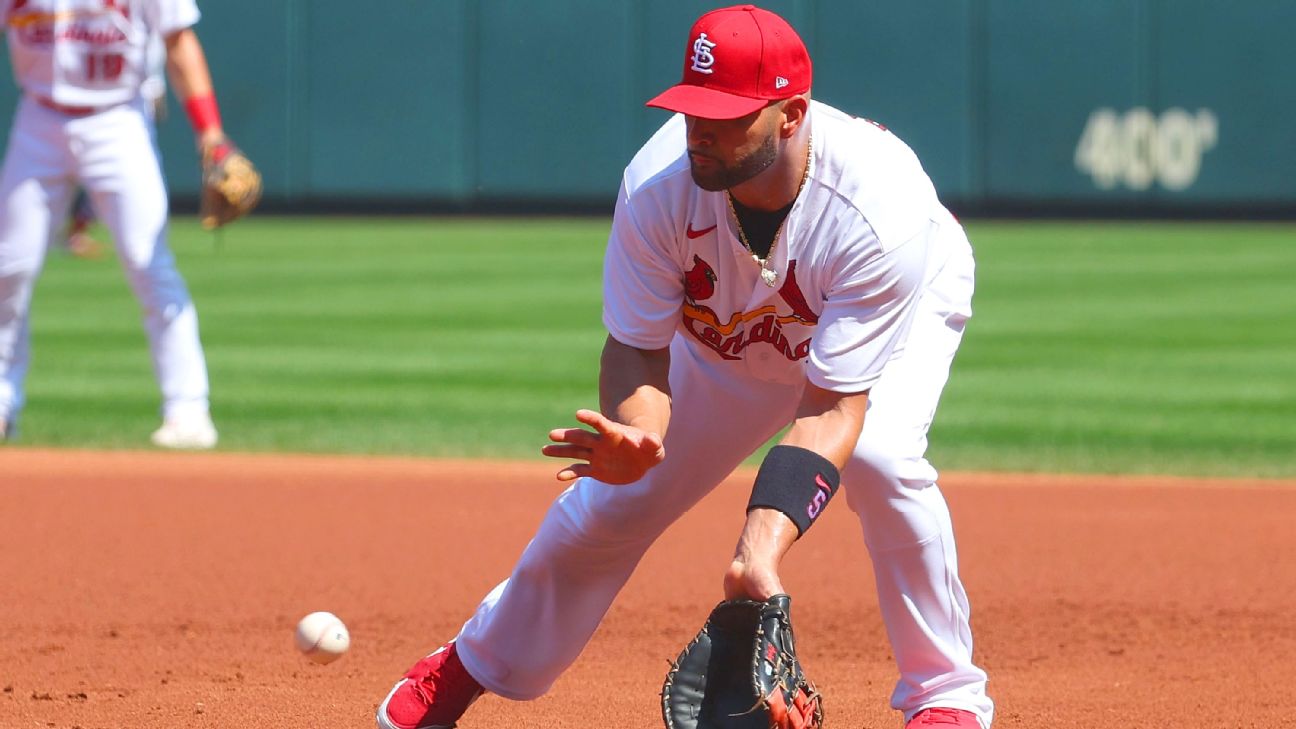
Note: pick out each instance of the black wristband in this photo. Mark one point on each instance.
(797, 482)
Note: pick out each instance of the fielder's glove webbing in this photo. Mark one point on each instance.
(742, 672)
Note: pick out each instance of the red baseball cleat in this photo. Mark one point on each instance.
(433, 694)
(943, 718)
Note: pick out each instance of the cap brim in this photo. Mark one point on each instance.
(706, 103)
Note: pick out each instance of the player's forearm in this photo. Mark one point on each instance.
(766, 538)
(828, 423)
(793, 488)
(187, 66)
(191, 80)
(634, 386)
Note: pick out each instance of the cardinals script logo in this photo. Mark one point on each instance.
(95, 24)
(763, 325)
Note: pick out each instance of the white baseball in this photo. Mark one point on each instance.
(322, 637)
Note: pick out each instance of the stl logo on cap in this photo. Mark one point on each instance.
(763, 60)
(702, 58)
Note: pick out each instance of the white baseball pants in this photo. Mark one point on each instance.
(112, 155)
(532, 626)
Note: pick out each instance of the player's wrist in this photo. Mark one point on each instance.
(211, 139)
(204, 114)
(751, 581)
(796, 482)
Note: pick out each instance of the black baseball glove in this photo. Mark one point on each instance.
(742, 672)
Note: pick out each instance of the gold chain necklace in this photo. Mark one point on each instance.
(768, 274)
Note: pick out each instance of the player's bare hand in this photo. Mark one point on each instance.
(613, 452)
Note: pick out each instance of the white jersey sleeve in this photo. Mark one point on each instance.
(168, 16)
(88, 53)
(866, 317)
(643, 274)
(888, 218)
(643, 288)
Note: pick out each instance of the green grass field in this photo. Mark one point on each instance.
(1095, 347)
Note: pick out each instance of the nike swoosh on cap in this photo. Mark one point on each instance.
(697, 233)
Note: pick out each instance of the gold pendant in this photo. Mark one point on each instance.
(769, 276)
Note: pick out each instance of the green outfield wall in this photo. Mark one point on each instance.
(1157, 104)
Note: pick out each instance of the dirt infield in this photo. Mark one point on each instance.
(161, 590)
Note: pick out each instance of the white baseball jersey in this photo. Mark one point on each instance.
(88, 52)
(851, 258)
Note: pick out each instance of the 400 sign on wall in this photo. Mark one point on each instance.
(1137, 148)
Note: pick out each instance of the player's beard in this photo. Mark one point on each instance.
(723, 177)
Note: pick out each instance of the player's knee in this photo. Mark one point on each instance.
(600, 516)
(18, 269)
(162, 293)
(574, 544)
(892, 495)
(876, 464)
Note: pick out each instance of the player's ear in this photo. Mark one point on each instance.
(794, 114)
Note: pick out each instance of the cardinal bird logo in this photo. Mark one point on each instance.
(121, 6)
(699, 283)
(791, 293)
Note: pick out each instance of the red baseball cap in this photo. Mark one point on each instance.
(738, 60)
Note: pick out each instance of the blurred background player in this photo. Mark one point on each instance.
(77, 239)
(84, 118)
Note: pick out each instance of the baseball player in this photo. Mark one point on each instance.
(83, 119)
(772, 262)
(78, 240)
